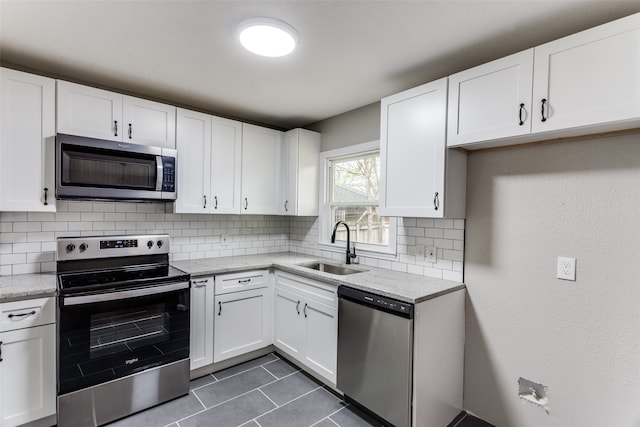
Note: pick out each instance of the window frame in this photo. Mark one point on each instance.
(325, 227)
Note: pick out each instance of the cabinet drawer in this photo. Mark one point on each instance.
(27, 313)
(309, 288)
(235, 282)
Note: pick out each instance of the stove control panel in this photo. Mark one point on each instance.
(74, 248)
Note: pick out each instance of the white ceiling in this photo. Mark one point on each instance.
(351, 53)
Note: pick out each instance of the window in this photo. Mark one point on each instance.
(351, 189)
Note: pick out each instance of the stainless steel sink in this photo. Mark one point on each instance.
(330, 268)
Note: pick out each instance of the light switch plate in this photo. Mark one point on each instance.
(566, 268)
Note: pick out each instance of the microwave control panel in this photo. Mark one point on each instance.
(169, 174)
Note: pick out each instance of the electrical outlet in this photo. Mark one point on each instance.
(432, 254)
(420, 253)
(224, 239)
(566, 268)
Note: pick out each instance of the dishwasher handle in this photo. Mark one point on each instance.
(377, 302)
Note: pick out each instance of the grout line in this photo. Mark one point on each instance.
(265, 395)
(336, 397)
(203, 405)
(271, 373)
(286, 403)
(212, 382)
(461, 419)
(331, 419)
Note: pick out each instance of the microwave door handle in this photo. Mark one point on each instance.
(159, 173)
(132, 293)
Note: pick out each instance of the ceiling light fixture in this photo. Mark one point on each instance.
(267, 37)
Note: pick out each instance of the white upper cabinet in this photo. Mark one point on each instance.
(414, 158)
(226, 165)
(209, 158)
(590, 78)
(97, 113)
(260, 170)
(193, 140)
(491, 101)
(87, 111)
(148, 122)
(27, 142)
(300, 160)
(582, 84)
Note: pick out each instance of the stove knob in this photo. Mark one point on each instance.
(159, 243)
(150, 244)
(83, 247)
(71, 247)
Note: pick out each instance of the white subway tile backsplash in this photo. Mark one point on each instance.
(28, 241)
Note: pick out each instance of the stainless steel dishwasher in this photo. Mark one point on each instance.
(375, 353)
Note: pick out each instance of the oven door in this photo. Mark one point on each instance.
(108, 336)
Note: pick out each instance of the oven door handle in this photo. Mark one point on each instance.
(132, 293)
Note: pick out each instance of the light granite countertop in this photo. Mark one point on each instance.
(25, 286)
(401, 286)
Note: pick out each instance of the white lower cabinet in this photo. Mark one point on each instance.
(243, 318)
(201, 331)
(27, 361)
(306, 323)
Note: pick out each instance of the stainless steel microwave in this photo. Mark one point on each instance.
(88, 168)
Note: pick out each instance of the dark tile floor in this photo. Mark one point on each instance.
(264, 392)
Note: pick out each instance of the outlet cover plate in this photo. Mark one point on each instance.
(431, 254)
(566, 268)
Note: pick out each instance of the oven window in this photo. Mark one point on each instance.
(128, 329)
(93, 167)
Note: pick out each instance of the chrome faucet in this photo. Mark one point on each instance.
(333, 240)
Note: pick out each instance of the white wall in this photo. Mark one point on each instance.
(353, 127)
(581, 339)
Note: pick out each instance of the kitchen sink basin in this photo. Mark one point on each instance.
(330, 268)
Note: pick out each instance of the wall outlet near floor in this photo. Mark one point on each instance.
(566, 268)
(431, 254)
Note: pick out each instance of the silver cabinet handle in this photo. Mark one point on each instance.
(130, 131)
(115, 128)
(304, 310)
(298, 307)
(219, 308)
(436, 201)
(199, 283)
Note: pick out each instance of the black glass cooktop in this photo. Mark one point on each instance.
(113, 279)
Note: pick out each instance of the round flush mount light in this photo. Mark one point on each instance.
(267, 37)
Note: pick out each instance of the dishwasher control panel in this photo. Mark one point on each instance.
(387, 304)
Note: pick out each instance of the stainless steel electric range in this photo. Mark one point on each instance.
(123, 327)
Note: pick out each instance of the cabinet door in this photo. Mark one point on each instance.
(148, 122)
(201, 332)
(260, 170)
(321, 339)
(226, 165)
(28, 375)
(300, 171)
(241, 322)
(588, 78)
(289, 326)
(91, 112)
(194, 159)
(412, 151)
(491, 101)
(27, 142)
